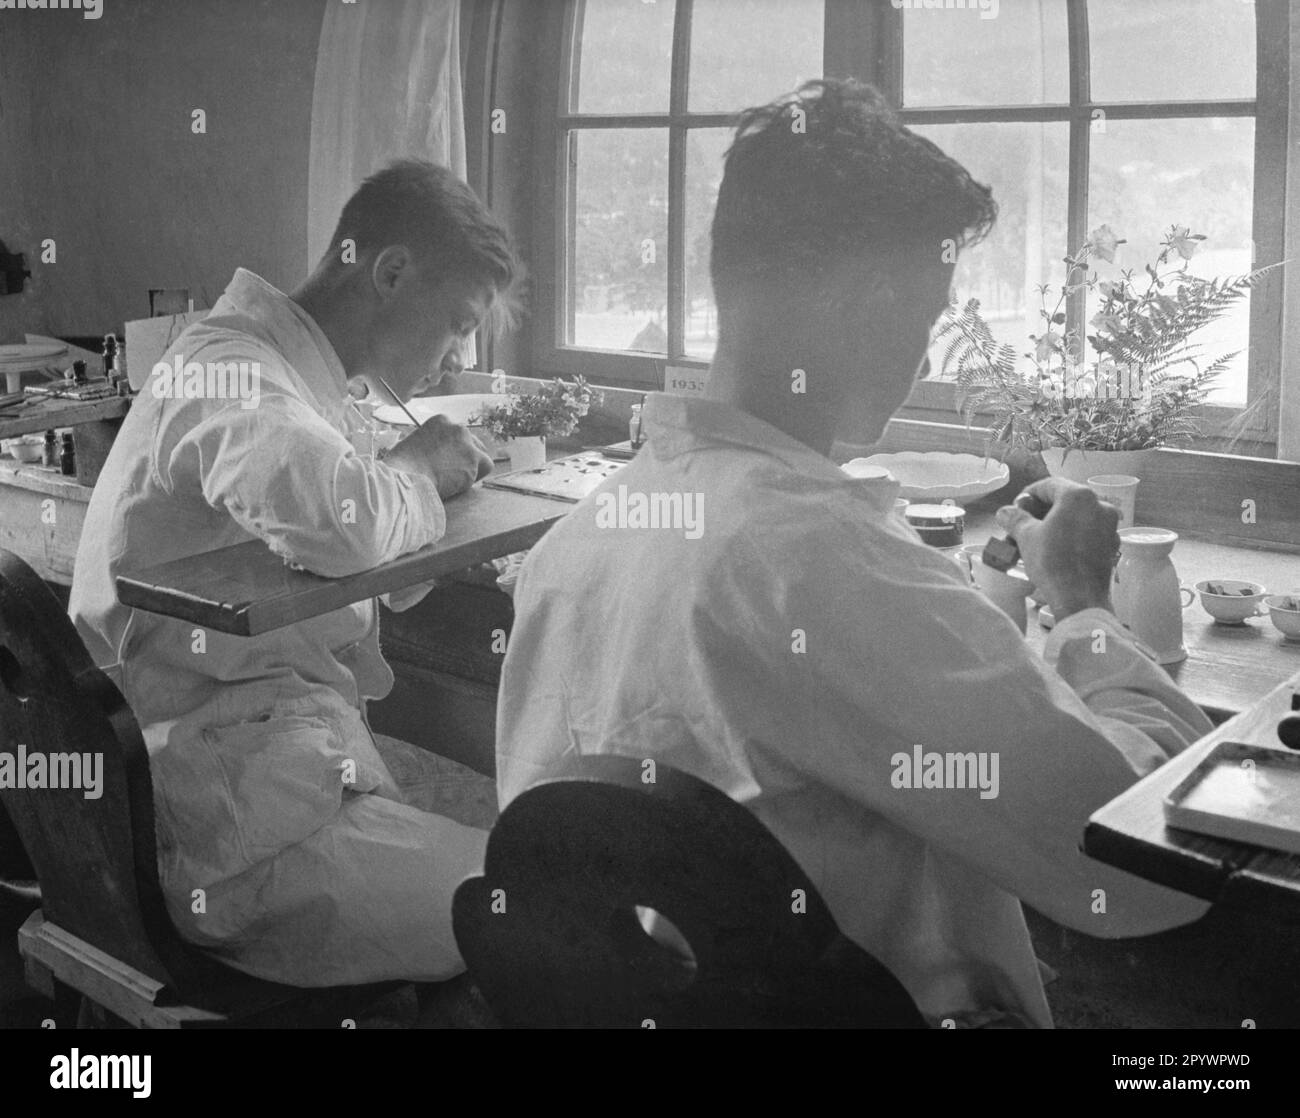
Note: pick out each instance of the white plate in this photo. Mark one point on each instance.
(459, 408)
(18, 359)
(935, 475)
(30, 357)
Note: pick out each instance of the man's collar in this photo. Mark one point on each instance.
(292, 331)
(687, 423)
(681, 424)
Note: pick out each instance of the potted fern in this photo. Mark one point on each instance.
(1137, 389)
(525, 420)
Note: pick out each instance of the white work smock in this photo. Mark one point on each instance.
(284, 845)
(793, 653)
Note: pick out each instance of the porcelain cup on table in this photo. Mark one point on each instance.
(1119, 490)
(1284, 609)
(1005, 589)
(1231, 601)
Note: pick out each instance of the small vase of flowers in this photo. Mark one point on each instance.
(525, 420)
(1138, 387)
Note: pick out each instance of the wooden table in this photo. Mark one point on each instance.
(1130, 832)
(41, 517)
(247, 589)
(95, 424)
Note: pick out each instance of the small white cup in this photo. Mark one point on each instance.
(1230, 601)
(1284, 609)
(1119, 490)
(1005, 589)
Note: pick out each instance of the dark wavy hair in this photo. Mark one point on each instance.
(419, 204)
(828, 172)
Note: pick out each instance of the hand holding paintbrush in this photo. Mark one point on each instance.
(441, 450)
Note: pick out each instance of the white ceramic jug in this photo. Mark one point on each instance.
(1146, 593)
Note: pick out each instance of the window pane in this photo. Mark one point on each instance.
(1026, 165)
(1147, 175)
(1171, 50)
(620, 246)
(748, 52)
(625, 56)
(958, 56)
(705, 148)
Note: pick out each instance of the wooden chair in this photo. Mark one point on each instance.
(551, 934)
(102, 933)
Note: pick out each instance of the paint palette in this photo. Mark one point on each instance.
(563, 479)
(1246, 793)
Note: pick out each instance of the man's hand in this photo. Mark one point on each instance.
(1069, 554)
(445, 452)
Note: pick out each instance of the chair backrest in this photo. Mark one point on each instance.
(551, 935)
(63, 722)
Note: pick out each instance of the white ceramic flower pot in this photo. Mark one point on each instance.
(1080, 465)
(527, 453)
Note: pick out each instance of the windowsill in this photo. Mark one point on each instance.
(1187, 490)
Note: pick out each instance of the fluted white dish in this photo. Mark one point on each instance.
(932, 476)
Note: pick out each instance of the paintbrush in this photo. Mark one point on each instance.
(388, 388)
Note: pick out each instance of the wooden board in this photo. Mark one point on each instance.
(49, 414)
(1130, 831)
(247, 589)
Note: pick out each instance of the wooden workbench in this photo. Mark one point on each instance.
(41, 517)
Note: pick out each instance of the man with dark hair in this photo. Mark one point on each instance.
(285, 843)
(793, 642)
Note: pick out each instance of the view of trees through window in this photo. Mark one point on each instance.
(993, 93)
(743, 52)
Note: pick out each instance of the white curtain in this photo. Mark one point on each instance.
(387, 86)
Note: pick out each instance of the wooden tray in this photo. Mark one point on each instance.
(1245, 793)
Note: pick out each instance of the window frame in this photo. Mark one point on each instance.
(865, 41)
(619, 368)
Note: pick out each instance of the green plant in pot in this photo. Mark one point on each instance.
(1136, 386)
(525, 420)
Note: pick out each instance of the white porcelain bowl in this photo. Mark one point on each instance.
(26, 448)
(933, 476)
(1284, 609)
(1230, 600)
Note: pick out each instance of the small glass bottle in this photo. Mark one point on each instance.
(50, 451)
(68, 458)
(79, 373)
(634, 428)
(110, 360)
(123, 379)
